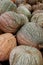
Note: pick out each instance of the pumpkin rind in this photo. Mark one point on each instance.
(38, 18)
(30, 34)
(23, 10)
(7, 5)
(7, 43)
(38, 6)
(11, 21)
(28, 6)
(37, 11)
(18, 2)
(24, 55)
(32, 1)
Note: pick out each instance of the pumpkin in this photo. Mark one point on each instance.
(23, 10)
(11, 21)
(7, 5)
(38, 18)
(25, 55)
(38, 6)
(30, 34)
(28, 6)
(37, 11)
(18, 2)
(32, 1)
(7, 43)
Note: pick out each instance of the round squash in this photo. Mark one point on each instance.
(30, 34)
(38, 6)
(18, 2)
(23, 10)
(37, 11)
(32, 1)
(25, 55)
(28, 6)
(38, 18)
(7, 43)
(11, 21)
(7, 5)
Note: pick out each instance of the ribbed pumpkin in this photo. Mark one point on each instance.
(7, 5)
(23, 10)
(11, 21)
(32, 1)
(38, 18)
(37, 11)
(18, 2)
(38, 6)
(30, 34)
(28, 6)
(25, 55)
(7, 43)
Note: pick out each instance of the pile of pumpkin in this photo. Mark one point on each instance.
(21, 32)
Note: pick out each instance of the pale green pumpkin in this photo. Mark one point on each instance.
(30, 34)
(23, 10)
(11, 21)
(25, 55)
(7, 5)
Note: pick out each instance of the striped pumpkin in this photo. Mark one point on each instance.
(7, 43)
(7, 5)
(25, 55)
(23, 10)
(11, 21)
(30, 34)
(38, 18)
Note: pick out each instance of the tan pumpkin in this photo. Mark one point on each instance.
(23, 10)
(7, 5)
(7, 43)
(37, 11)
(38, 18)
(11, 21)
(30, 34)
(38, 6)
(32, 1)
(25, 55)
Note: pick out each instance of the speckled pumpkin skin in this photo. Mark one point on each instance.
(37, 11)
(24, 55)
(38, 6)
(28, 6)
(18, 2)
(23, 10)
(7, 43)
(32, 1)
(11, 21)
(30, 34)
(7, 5)
(38, 18)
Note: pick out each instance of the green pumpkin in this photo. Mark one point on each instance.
(25, 55)
(7, 5)
(11, 21)
(30, 34)
(23, 10)
(38, 18)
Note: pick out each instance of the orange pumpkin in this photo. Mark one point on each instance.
(7, 43)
